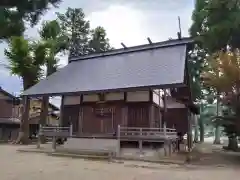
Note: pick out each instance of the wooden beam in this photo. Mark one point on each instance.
(61, 111)
(149, 40)
(125, 96)
(165, 111)
(159, 109)
(124, 46)
(80, 115)
(151, 95)
(151, 115)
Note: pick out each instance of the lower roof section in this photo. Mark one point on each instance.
(157, 67)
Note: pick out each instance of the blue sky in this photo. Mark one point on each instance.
(125, 21)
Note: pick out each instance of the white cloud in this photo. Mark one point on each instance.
(122, 23)
(132, 23)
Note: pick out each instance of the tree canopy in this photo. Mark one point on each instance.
(77, 29)
(15, 13)
(216, 24)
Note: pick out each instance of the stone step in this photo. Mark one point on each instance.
(83, 156)
(91, 144)
(88, 152)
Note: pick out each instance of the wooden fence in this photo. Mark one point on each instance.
(166, 135)
(54, 132)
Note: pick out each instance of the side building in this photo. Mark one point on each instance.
(10, 115)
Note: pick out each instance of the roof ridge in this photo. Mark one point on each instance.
(143, 47)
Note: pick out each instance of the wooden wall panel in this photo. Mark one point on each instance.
(71, 116)
(6, 109)
(177, 118)
(94, 124)
(138, 115)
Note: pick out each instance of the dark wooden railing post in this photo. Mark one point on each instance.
(140, 141)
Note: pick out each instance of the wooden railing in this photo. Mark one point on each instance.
(146, 133)
(56, 131)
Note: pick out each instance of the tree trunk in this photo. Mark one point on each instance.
(44, 115)
(217, 139)
(201, 128)
(196, 131)
(232, 143)
(23, 136)
(201, 124)
(189, 133)
(217, 130)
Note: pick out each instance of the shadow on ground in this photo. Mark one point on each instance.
(214, 155)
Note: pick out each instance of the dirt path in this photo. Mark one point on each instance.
(29, 166)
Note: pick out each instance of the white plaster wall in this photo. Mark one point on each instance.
(71, 100)
(171, 102)
(114, 96)
(90, 98)
(156, 99)
(138, 96)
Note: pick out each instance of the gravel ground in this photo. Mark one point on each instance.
(29, 166)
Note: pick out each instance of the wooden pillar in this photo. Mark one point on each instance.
(80, 116)
(140, 142)
(25, 125)
(124, 121)
(189, 133)
(159, 110)
(166, 142)
(44, 110)
(164, 112)
(151, 116)
(80, 120)
(39, 135)
(54, 143)
(119, 141)
(61, 111)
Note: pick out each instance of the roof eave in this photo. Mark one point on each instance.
(109, 90)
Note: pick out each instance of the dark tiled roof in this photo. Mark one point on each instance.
(155, 65)
(7, 93)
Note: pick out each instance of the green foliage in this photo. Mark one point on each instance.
(11, 24)
(55, 42)
(223, 74)
(216, 24)
(77, 29)
(98, 41)
(25, 59)
(208, 112)
(12, 17)
(82, 40)
(196, 60)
